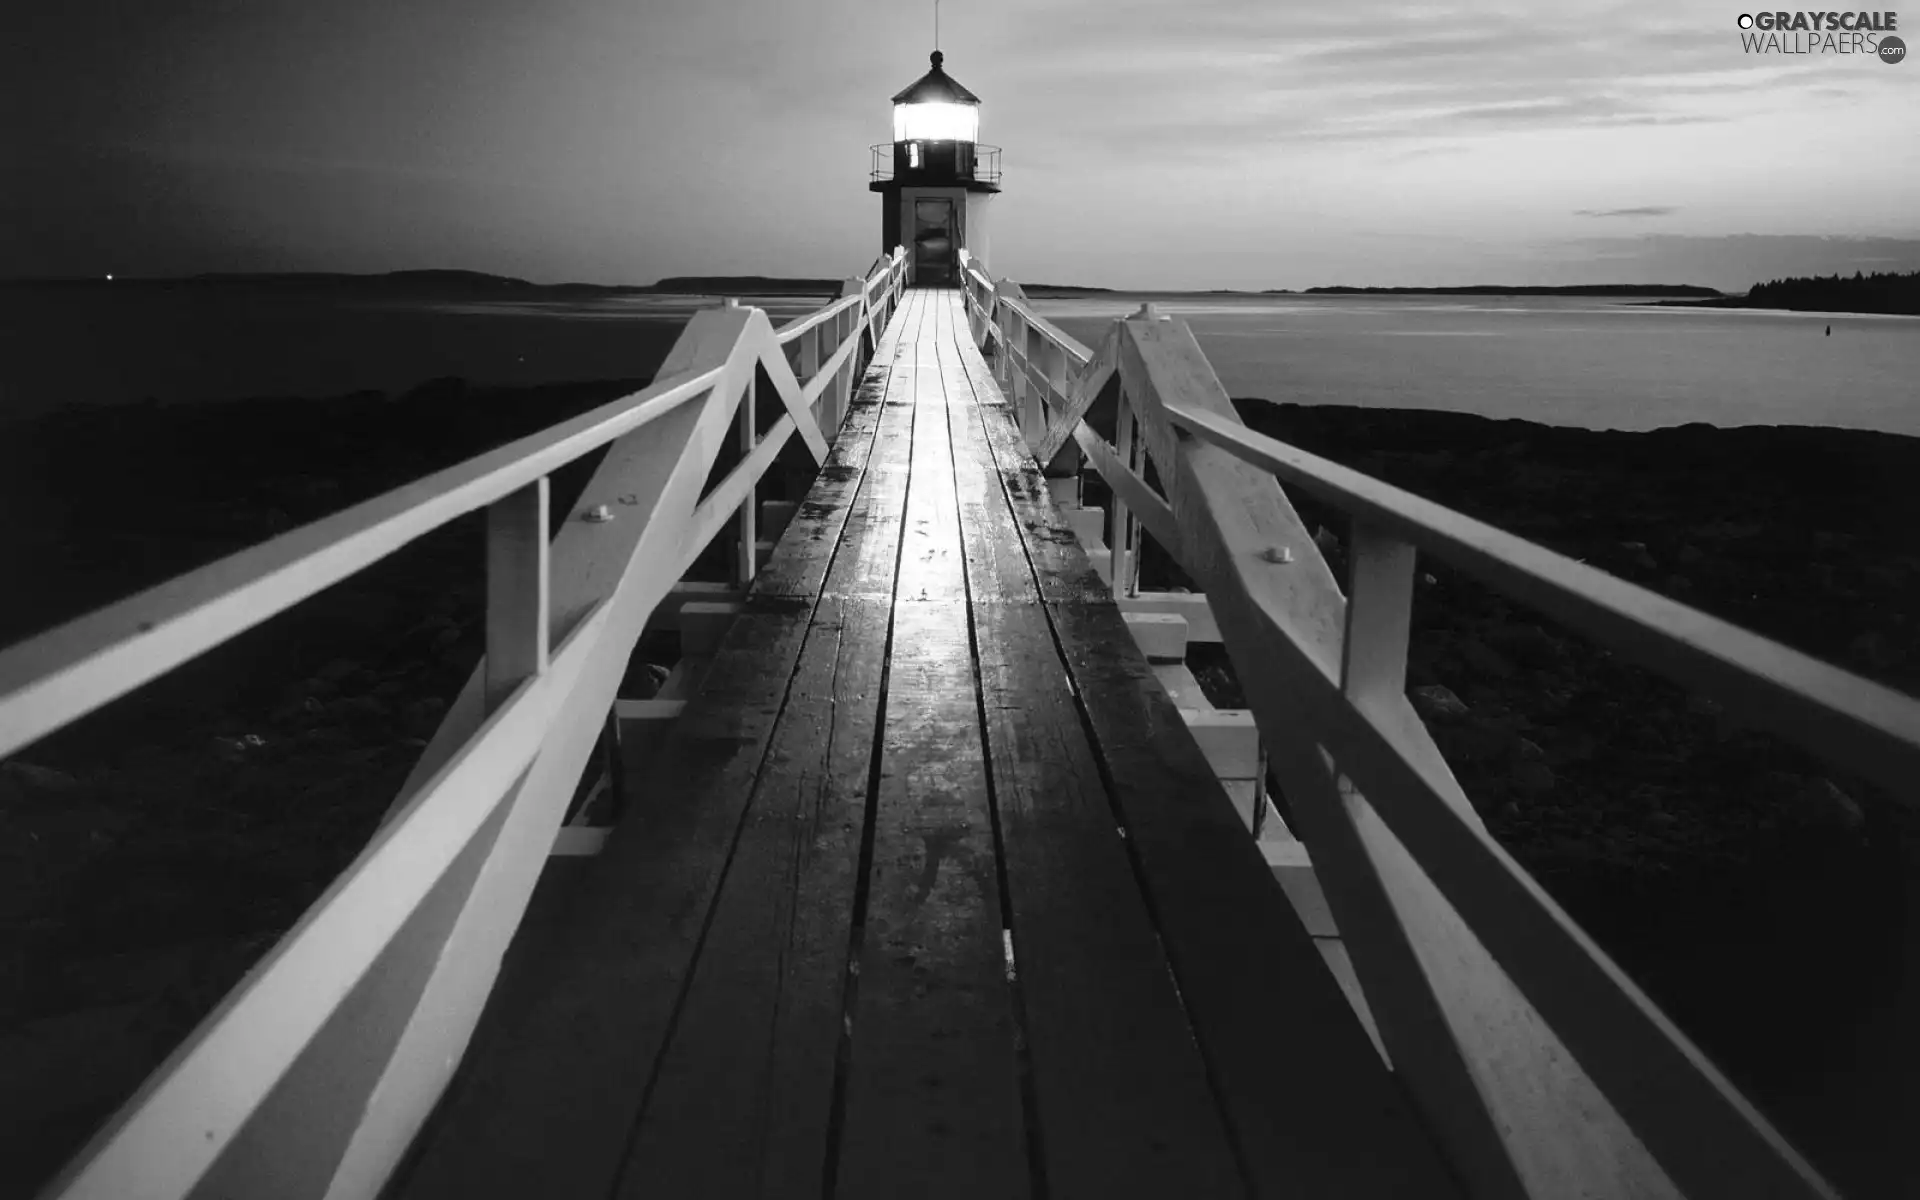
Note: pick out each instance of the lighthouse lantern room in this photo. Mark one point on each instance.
(935, 178)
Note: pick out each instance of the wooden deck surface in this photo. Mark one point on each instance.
(929, 893)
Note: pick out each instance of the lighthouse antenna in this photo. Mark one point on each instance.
(936, 24)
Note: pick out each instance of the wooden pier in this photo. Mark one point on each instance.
(932, 874)
(902, 909)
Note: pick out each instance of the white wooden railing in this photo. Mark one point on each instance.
(315, 1072)
(1542, 1070)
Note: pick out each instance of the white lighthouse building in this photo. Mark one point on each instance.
(935, 178)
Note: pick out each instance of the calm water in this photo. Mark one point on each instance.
(114, 346)
(1572, 361)
(1594, 363)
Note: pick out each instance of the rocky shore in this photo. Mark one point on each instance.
(151, 852)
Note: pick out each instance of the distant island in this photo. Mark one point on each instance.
(1494, 289)
(1880, 292)
(1888, 292)
(466, 283)
(1062, 291)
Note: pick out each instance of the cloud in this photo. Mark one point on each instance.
(1645, 210)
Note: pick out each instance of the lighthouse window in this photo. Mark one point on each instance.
(913, 155)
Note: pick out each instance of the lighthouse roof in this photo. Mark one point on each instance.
(936, 87)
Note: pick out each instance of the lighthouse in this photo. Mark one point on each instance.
(935, 178)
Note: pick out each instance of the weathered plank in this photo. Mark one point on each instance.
(741, 1104)
(933, 1105)
(813, 534)
(1313, 1113)
(1140, 1123)
(553, 1082)
(871, 538)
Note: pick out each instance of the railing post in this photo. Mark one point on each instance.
(848, 324)
(517, 591)
(1017, 373)
(810, 367)
(745, 564)
(1379, 613)
(1119, 520)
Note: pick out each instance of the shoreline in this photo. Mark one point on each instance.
(1736, 302)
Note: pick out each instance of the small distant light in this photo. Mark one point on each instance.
(109, 278)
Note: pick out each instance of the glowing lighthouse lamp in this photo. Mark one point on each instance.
(935, 178)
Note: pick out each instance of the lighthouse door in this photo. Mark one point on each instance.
(934, 241)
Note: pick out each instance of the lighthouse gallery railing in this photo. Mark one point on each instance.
(315, 1072)
(1541, 1068)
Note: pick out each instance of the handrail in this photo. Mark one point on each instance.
(373, 974)
(1834, 713)
(59, 676)
(1533, 1057)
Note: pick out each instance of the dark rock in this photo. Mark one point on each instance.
(1484, 658)
(1818, 804)
(337, 670)
(1872, 650)
(1435, 702)
(1705, 706)
(1529, 645)
(45, 779)
(1639, 556)
(424, 713)
(1532, 777)
(1474, 743)
(653, 677)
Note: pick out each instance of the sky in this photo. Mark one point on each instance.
(1199, 144)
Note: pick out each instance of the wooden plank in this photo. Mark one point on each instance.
(742, 1101)
(731, 1114)
(1061, 565)
(933, 1104)
(1140, 1123)
(554, 1079)
(801, 560)
(1314, 1116)
(872, 529)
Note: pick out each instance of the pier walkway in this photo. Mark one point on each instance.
(929, 871)
(931, 894)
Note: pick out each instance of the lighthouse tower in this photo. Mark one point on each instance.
(935, 178)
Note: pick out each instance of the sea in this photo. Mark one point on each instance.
(1595, 363)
